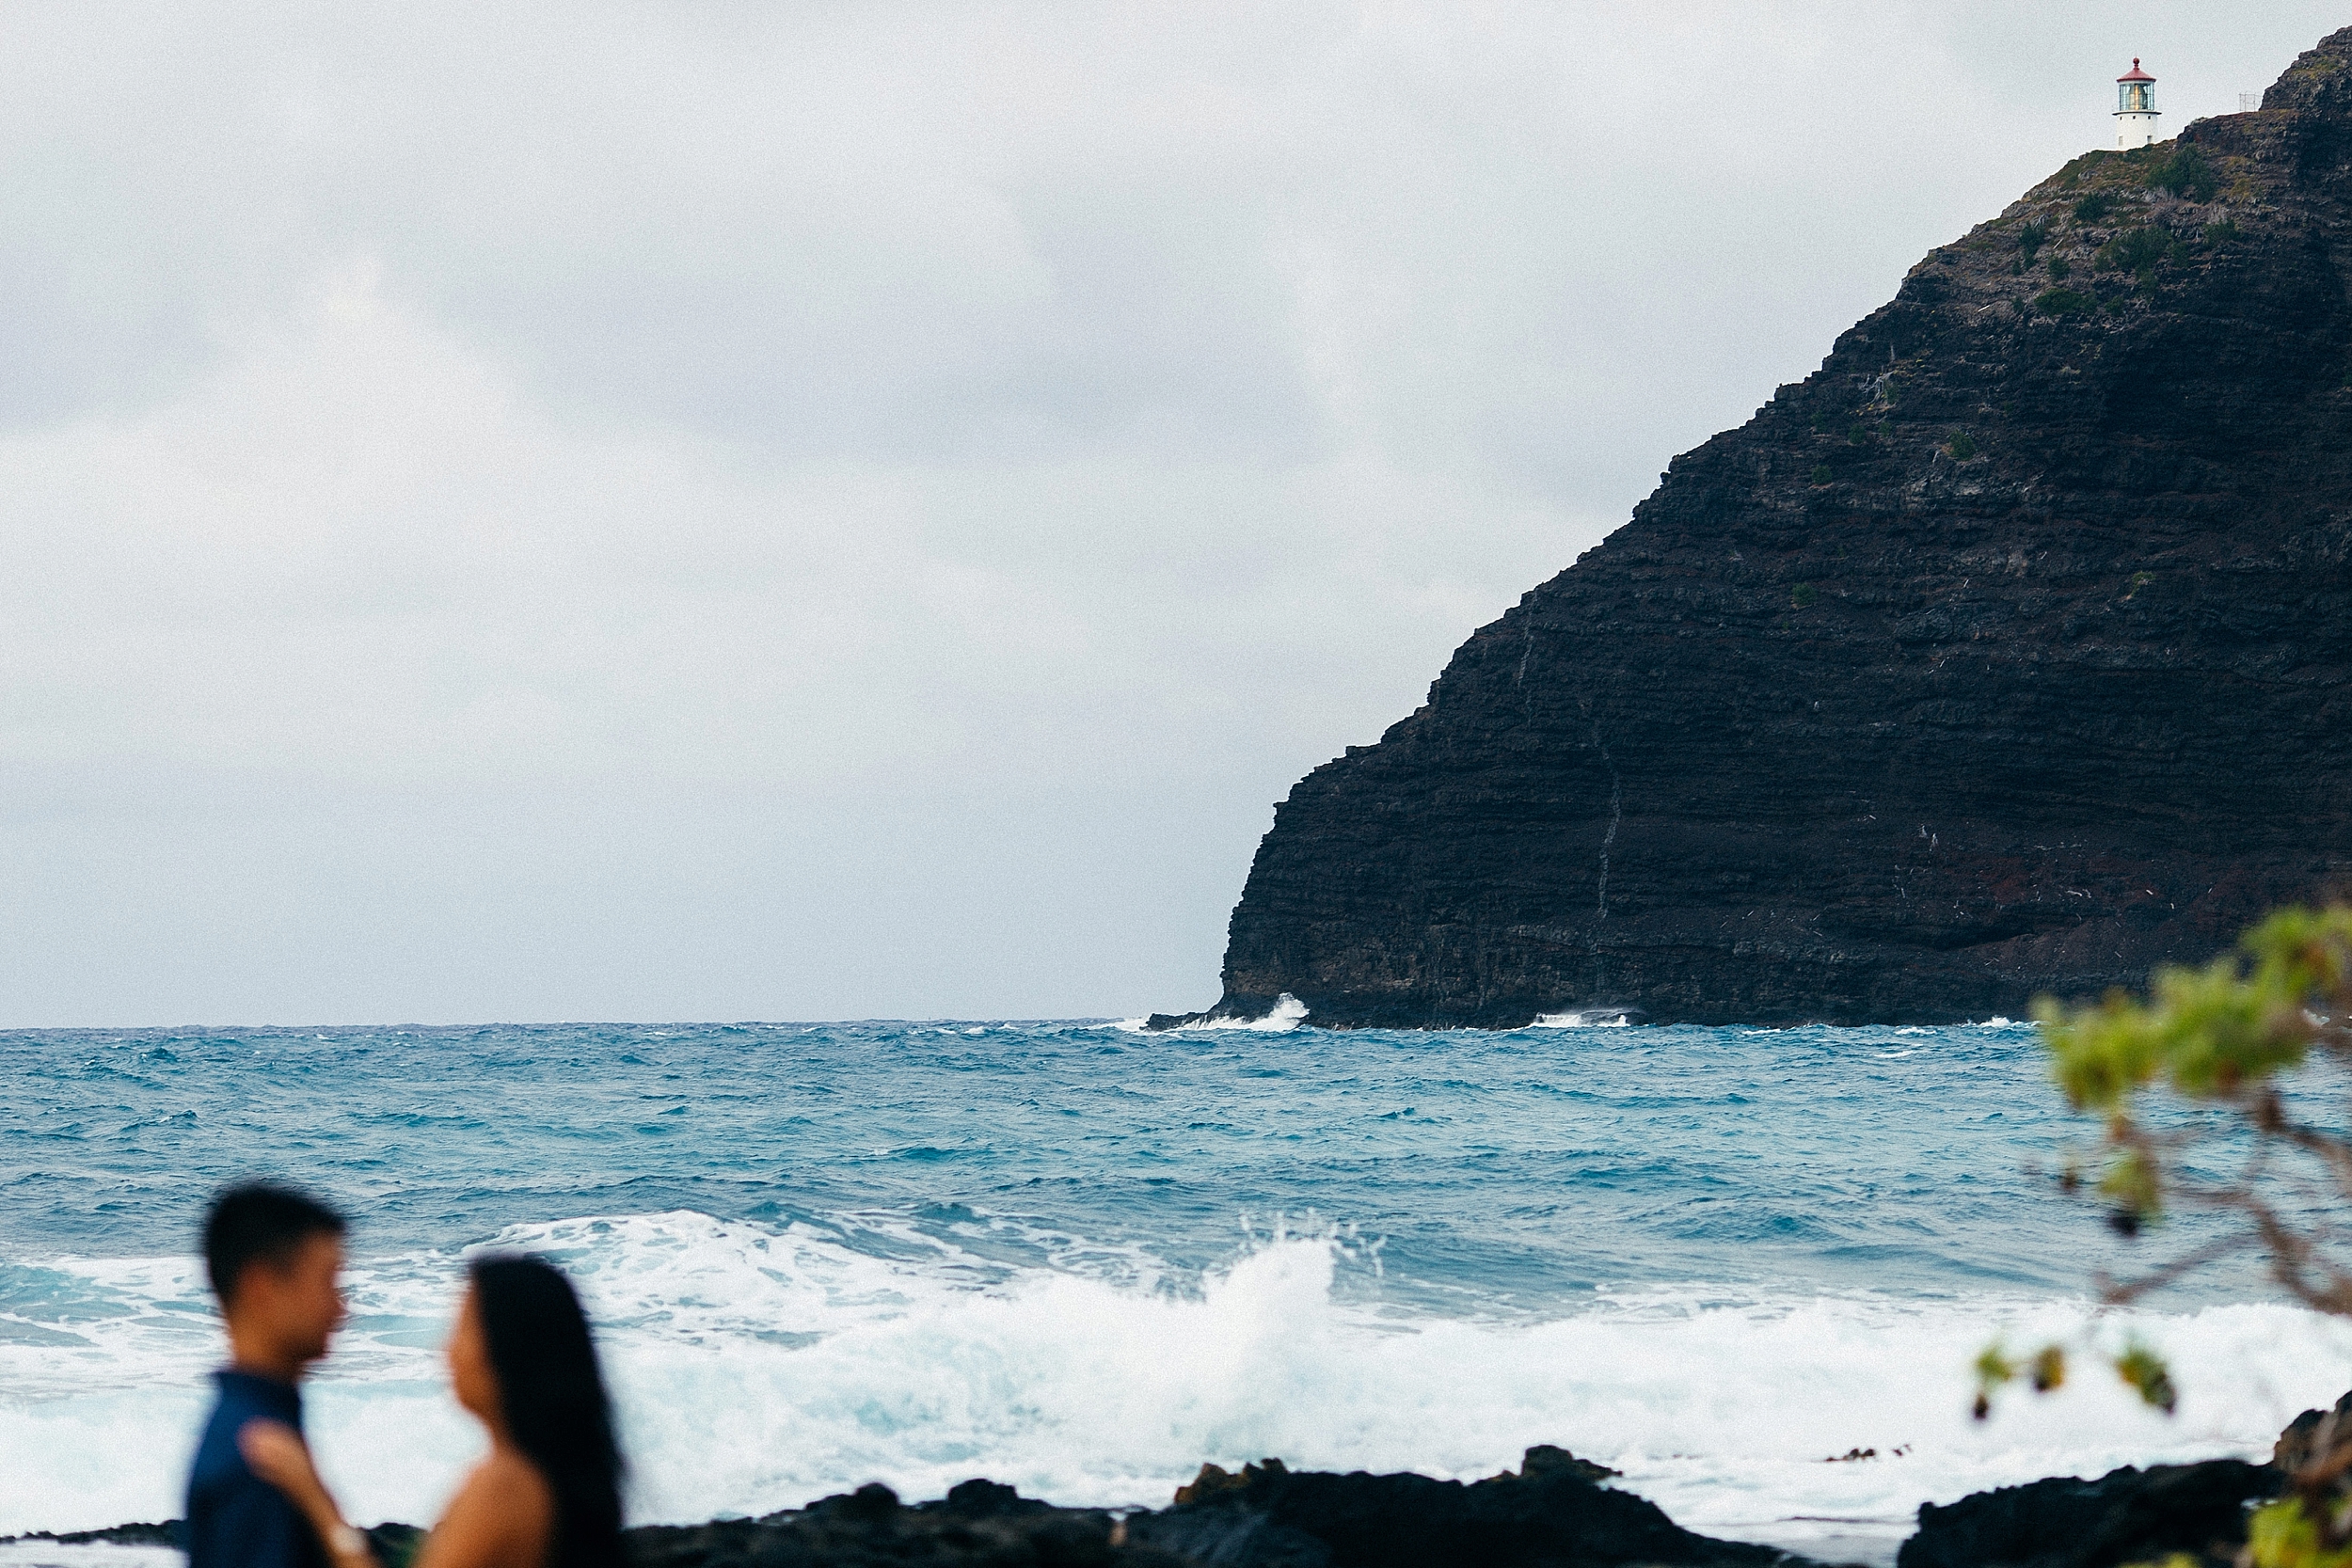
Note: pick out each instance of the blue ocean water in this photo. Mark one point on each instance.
(1085, 1258)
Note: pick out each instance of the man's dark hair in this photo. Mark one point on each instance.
(260, 1221)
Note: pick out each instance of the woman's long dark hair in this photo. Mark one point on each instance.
(552, 1393)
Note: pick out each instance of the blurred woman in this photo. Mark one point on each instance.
(547, 1496)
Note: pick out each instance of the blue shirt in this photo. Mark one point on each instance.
(235, 1518)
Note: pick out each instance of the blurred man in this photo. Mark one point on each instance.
(274, 1256)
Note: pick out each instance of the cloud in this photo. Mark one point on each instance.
(857, 508)
(353, 631)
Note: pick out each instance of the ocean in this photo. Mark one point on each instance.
(1084, 1259)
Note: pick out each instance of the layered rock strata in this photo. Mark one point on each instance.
(2005, 654)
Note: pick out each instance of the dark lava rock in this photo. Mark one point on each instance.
(980, 1524)
(1550, 1513)
(2006, 653)
(2303, 1440)
(395, 1544)
(167, 1534)
(1545, 1458)
(2125, 1516)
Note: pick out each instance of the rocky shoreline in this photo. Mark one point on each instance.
(1555, 1510)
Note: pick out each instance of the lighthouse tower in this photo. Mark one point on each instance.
(2135, 109)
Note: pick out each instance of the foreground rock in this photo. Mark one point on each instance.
(2312, 1436)
(2125, 1516)
(163, 1534)
(394, 1543)
(980, 1524)
(1551, 1512)
(2001, 656)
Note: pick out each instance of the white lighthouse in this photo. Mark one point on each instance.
(2135, 109)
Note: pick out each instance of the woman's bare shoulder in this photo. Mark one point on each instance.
(504, 1516)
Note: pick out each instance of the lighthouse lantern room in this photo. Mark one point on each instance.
(2135, 109)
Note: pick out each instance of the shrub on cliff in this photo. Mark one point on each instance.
(2095, 207)
(2236, 1048)
(2029, 239)
(2137, 251)
(2186, 174)
(2065, 302)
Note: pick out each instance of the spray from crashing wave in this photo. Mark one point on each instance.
(758, 1367)
(1287, 1013)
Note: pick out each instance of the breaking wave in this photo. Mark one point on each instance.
(756, 1368)
(1287, 1013)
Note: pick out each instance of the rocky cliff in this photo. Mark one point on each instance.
(2006, 653)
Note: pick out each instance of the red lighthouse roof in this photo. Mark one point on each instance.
(2136, 74)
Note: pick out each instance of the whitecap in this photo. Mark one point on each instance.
(1288, 1013)
(759, 1367)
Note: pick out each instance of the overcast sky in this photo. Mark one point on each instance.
(837, 510)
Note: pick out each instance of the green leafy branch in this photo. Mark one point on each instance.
(2219, 1040)
(2140, 1366)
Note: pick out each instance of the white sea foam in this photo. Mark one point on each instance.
(1288, 1013)
(1603, 1019)
(759, 1368)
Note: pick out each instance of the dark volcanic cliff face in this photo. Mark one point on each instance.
(2007, 653)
